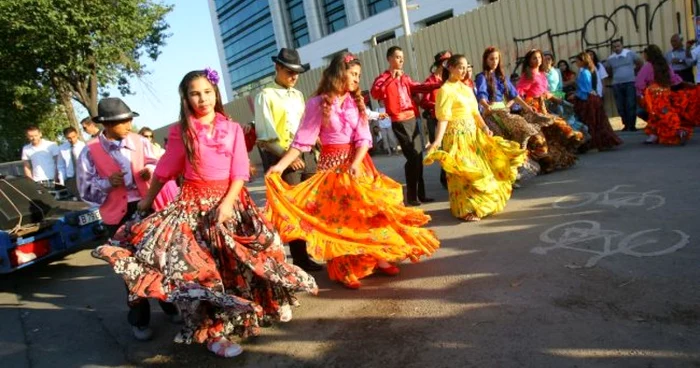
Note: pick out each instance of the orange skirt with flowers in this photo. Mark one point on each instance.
(350, 223)
(671, 112)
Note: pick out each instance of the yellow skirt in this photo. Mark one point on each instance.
(349, 222)
(480, 169)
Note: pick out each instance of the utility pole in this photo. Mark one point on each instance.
(411, 57)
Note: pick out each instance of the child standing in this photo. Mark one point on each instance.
(379, 229)
(210, 251)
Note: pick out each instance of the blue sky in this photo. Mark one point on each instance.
(191, 46)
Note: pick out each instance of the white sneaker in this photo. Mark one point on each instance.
(285, 313)
(652, 139)
(142, 333)
(224, 348)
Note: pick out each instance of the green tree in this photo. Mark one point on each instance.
(22, 104)
(79, 47)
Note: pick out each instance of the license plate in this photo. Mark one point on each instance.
(89, 217)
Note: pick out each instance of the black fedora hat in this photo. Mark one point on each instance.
(113, 109)
(289, 58)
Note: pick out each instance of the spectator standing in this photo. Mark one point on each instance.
(69, 152)
(679, 60)
(40, 158)
(622, 64)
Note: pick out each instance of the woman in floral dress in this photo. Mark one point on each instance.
(562, 140)
(351, 215)
(211, 252)
(480, 168)
(673, 106)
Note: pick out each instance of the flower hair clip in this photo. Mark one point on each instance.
(349, 57)
(212, 75)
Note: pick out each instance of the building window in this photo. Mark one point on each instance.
(438, 18)
(378, 6)
(248, 38)
(334, 12)
(297, 23)
(385, 37)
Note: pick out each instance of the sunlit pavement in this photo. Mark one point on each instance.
(578, 271)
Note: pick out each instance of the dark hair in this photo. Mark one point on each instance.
(655, 57)
(594, 58)
(32, 128)
(526, 70)
(437, 60)
(496, 73)
(568, 67)
(69, 130)
(333, 83)
(392, 50)
(189, 138)
(452, 61)
(145, 130)
(87, 120)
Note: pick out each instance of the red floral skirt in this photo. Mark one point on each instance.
(226, 279)
(671, 112)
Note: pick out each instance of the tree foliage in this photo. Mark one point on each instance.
(56, 51)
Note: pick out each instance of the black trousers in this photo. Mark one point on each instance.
(687, 75)
(408, 134)
(139, 310)
(297, 248)
(432, 129)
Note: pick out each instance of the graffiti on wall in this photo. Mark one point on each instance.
(588, 36)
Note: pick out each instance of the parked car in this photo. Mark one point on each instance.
(57, 224)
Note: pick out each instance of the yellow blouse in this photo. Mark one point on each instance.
(455, 101)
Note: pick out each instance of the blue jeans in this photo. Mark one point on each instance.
(626, 101)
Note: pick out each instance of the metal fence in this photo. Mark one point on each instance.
(564, 27)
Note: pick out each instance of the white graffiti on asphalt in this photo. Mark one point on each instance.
(613, 197)
(580, 235)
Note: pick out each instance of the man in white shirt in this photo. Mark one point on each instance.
(68, 156)
(384, 123)
(40, 158)
(678, 59)
(693, 52)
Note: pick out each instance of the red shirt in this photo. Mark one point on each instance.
(428, 101)
(396, 94)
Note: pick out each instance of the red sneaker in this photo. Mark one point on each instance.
(390, 271)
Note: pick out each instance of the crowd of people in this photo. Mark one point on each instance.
(184, 230)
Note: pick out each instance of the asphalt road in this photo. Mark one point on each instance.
(567, 276)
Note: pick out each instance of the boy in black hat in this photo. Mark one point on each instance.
(115, 169)
(278, 111)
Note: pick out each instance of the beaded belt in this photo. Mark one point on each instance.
(334, 155)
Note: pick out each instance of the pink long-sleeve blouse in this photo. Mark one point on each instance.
(645, 77)
(345, 125)
(222, 156)
(533, 88)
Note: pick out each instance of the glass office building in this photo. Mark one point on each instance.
(248, 39)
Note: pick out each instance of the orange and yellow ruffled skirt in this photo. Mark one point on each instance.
(350, 223)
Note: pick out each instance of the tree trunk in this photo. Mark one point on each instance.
(67, 103)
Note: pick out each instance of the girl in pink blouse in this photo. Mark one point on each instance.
(672, 107)
(350, 215)
(211, 252)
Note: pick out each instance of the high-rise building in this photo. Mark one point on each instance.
(249, 32)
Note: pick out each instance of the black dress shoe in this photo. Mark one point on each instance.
(412, 203)
(427, 200)
(308, 265)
